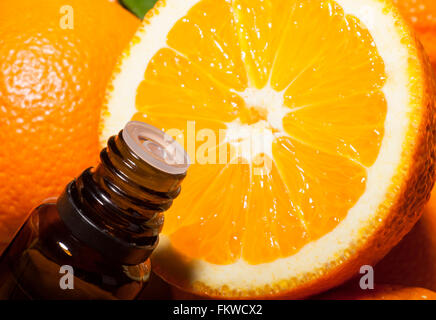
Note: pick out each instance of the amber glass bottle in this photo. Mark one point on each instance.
(95, 240)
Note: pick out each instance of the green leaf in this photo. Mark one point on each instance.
(138, 7)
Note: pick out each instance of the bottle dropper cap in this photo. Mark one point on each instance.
(156, 148)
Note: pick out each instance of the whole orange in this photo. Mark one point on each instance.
(56, 58)
(421, 14)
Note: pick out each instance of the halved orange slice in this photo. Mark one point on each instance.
(310, 125)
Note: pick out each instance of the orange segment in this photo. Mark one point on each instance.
(207, 37)
(311, 67)
(275, 230)
(212, 228)
(261, 26)
(322, 186)
(352, 127)
(174, 85)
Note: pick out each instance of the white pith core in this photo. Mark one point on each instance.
(269, 99)
(334, 245)
(256, 139)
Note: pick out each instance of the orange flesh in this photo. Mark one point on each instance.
(330, 75)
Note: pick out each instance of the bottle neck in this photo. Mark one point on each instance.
(117, 207)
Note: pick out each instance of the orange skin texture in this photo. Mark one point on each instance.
(52, 84)
(421, 14)
(413, 261)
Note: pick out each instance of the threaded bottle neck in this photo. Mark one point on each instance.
(123, 198)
